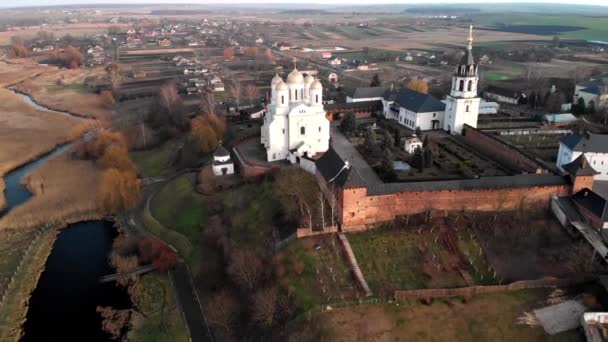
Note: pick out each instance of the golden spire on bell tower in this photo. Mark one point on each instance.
(470, 39)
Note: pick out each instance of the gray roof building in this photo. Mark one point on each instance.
(587, 142)
(414, 101)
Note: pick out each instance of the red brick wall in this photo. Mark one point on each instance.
(493, 147)
(581, 182)
(360, 209)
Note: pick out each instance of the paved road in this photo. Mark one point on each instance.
(181, 277)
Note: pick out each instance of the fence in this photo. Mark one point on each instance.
(475, 290)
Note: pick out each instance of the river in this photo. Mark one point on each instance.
(63, 305)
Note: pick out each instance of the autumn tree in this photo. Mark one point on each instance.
(114, 72)
(95, 147)
(208, 130)
(117, 157)
(265, 307)
(73, 58)
(18, 50)
(250, 51)
(418, 85)
(114, 321)
(269, 56)
(157, 253)
(223, 312)
(107, 98)
(245, 268)
(119, 190)
(229, 53)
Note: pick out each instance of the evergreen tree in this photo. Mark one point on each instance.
(375, 81)
(349, 123)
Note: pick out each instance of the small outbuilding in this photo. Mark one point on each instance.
(222, 162)
(558, 120)
(412, 143)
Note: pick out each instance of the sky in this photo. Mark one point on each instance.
(20, 3)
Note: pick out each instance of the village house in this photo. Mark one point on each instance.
(594, 92)
(559, 120)
(366, 94)
(503, 95)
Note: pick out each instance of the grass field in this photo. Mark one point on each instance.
(156, 162)
(596, 27)
(324, 278)
(179, 207)
(493, 76)
(395, 260)
(491, 317)
(251, 210)
(158, 316)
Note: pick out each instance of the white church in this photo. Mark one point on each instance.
(295, 125)
(418, 110)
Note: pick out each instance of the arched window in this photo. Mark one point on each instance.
(470, 86)
(302, 130)
(317, 98)
(295, 93)
(282, 99)
(461, 87)
(467, 109)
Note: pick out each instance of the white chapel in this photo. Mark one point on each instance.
(295, 124)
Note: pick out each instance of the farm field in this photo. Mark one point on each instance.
(58, 30)
(566, 26)
(491, 317)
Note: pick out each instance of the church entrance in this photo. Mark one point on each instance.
(435, 124)
(449, 129)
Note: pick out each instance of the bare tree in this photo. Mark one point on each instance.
(265, 306)
(208, 103)
(251, 92)
(169, 97)
(222, 312)
(236, 90)
(114, 72)
(245, 268)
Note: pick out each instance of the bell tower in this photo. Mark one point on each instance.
(462, 105)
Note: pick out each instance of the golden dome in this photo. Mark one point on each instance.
(275, 80)
(316, 85)
(295, 77)
(282, 86)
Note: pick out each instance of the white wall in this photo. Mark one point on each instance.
(599, 161)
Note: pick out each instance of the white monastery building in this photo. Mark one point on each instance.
(295, 124)
(594, 147)
(418, 110)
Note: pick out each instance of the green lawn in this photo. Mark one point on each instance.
(179, 207)
(493, 76)
(160, 318)
(156, 162)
